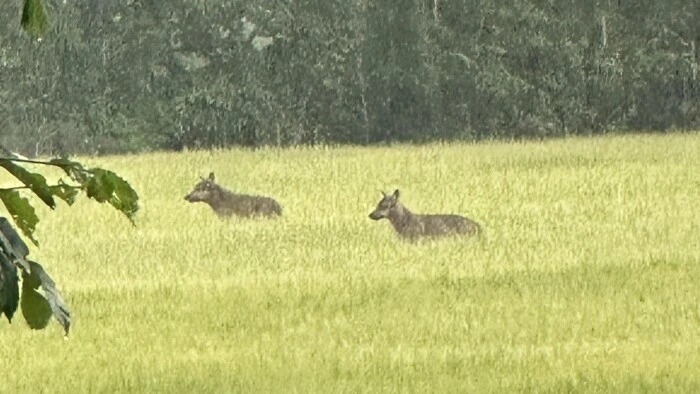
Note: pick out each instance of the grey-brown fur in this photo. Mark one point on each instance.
(226, 203)
(410, 225)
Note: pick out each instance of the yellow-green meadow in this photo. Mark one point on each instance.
(586, 278)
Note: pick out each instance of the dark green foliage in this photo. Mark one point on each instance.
(37, 308)
(64, 191)
(12, 247)
(21, 211)
(106, 186)
(9, 290)
(18, 247)
(135, 76)
(99, 184)
(35, 182)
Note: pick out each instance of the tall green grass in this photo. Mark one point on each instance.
(587, 278)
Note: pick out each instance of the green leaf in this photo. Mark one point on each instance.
(102, 185)
(34, 20)
(99, 187)
(73, 169)
(38, 309)
(12, 246)
(65, 192)
(9, 289)
(35, 307)
(21, 211)
(35, 182)
(106, 186)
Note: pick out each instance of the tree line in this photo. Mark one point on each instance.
(135, 75)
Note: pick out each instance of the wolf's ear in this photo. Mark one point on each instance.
(211, 176)
(396, 194)
(383, 193)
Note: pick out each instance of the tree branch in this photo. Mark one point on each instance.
(46, 163)
(27, 187)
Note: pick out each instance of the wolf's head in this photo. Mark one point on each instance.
(204, 190)
(385, 206)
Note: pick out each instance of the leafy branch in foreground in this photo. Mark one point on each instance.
(97, 183)
(37, 308)
(40, 297)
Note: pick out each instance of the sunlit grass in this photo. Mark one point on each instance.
(586, 279)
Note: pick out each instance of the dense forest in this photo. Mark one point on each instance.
(135, 75)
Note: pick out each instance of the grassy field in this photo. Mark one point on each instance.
(587, 279)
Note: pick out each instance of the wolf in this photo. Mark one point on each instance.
(226, 203)
(412, 226)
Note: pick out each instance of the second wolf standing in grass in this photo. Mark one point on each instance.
(226, 203)
(410, 225)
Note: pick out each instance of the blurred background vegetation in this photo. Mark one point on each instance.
(138, 75)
